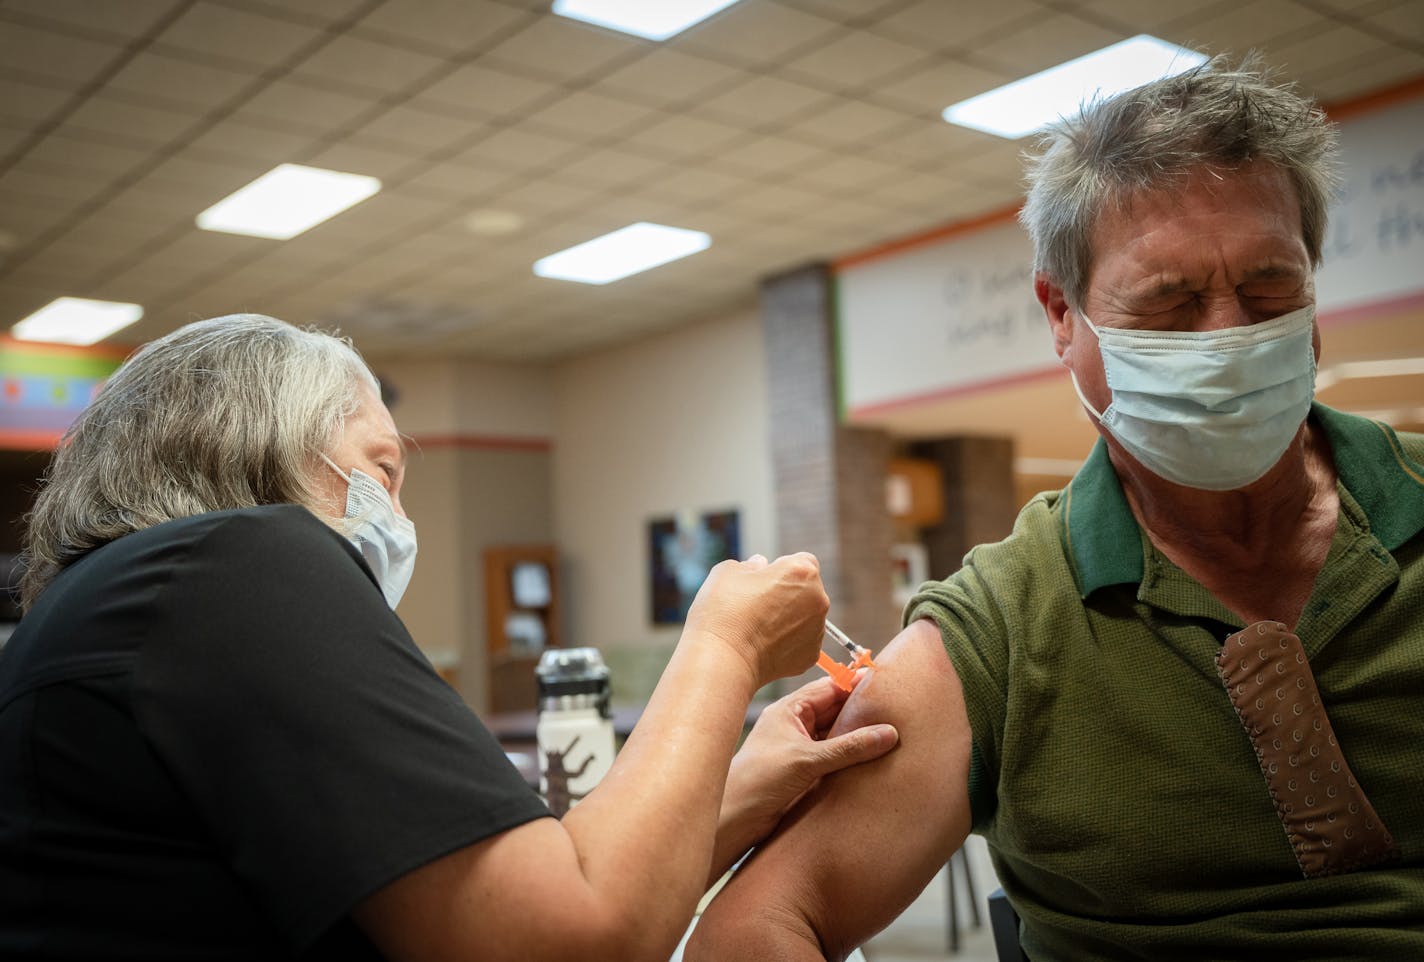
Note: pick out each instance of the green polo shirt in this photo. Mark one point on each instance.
(1123, 804)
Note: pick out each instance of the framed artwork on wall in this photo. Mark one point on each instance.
(681, 550)
(909, 567)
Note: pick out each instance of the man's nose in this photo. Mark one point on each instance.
(1226, 312)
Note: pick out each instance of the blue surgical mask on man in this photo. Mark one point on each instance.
(1213, 410)
(384, 538)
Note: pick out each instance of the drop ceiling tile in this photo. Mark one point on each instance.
(453, 26)
(915, 189)
(197, 179)
(1363, 7)
(372, 223)
(362, 159)
(213, 30)
(1348, 82)
(18, 302)
(24, 275)
(1404, 19)
(123, 21)
(125, 122)
(934, 146)
(764, 101)
(165, 80)
(770, 155)
(774, 201)
(78, 256)
(519, 148)
(380, 67)
(686, 135)
(321, 12)
(1237, 29)
(564, 50)
(119, 229)
(25, 216)
(850, 174)
(30, 103)
(696, 185)
(60, 58)
(419, 131)
(455, 181)
(928, 91)
(936, 25)
(86, 161)
(546, 197)
(855, 59)
(43, 181)
(585, 114)
(760, 33)
(299, 105)
(848, 122)
(253, 147)
(999, 164)
(610, 167)
(1134, 16)
(12, 135)
(151, 282)
(1045, 42)
(488, 91)
(668, 76)
(1316, 52)
(846, 11)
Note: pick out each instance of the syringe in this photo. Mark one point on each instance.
(844, 675)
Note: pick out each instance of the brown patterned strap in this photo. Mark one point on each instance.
(1330, 823)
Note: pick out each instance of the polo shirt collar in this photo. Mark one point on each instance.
(1105, 544)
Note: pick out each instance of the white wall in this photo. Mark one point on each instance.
(672, 423)
(472, 399)
(477, 476)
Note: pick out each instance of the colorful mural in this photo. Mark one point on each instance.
(43, 387)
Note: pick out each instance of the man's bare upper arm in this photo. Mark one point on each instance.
(859, 849)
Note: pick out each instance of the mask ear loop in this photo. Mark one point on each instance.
(342, 474)
(348, 522)
(1097, 415)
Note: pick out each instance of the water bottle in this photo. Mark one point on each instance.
(575, 727)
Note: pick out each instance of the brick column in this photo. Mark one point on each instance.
(830, 479)
(979, 497)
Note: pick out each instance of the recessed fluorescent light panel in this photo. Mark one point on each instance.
(76, 320)
(654, 19)
(628, 250)
(287, 200)
(1026, 105)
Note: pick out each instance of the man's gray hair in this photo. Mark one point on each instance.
(1219, 115)
(230, 412)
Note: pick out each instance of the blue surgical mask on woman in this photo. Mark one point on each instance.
(1213, 410)
(384, 538)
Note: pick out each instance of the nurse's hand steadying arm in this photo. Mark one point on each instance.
(621, 874)
(786, 755)
(859, 848)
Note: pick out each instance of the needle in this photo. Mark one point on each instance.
(844, 675)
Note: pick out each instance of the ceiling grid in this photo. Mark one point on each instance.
(788, 129)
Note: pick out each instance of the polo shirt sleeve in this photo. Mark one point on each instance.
(320, 750)
(976, 638)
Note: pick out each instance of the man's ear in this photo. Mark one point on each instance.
(1055, 307)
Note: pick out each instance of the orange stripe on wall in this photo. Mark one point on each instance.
(29, 440)
(479, 442)
(1377, 100)
(116, 351)
(925, 238)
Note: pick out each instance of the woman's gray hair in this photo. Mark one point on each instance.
(230, 412)
(1217, 115)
